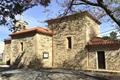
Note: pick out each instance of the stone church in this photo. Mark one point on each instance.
(69, 42)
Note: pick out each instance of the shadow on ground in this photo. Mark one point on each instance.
(55, 74)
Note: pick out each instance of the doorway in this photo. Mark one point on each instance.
(101, 59)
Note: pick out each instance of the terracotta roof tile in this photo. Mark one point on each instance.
(35, 29)
(102, 41)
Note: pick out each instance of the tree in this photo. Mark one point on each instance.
(10, 8)
(111, 8)
(101, 7)
(113, 35)
(106, 37)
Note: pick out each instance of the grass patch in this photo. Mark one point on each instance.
(1, 62)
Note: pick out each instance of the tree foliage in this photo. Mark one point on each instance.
(10, 8)
(106, 37)
(101, 8)
(113, 35)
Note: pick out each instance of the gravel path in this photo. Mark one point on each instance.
(55, 74)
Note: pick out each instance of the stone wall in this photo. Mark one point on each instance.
(92, 28)
(76, 28)
(22, 58)
(33, 45)
(44, 44)
(92, 60)
(112, 59)
(7, 53)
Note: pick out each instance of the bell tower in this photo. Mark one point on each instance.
(20, 24)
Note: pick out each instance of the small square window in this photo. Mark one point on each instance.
(45, 55)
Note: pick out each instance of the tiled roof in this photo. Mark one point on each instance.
(35, 29)
(102, 41)
(50, 21)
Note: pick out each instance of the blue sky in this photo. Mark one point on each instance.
(36, 15)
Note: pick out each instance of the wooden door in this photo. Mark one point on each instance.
(101, 59)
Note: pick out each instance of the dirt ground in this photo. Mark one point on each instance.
(55, 74)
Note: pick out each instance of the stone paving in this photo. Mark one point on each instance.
(55, 74)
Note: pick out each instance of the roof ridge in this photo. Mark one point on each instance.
(80, 12)
(41, 28)
(102, 41)
(36, 29)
